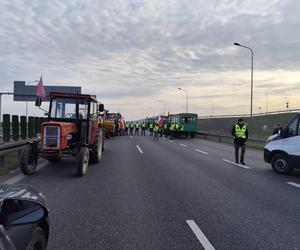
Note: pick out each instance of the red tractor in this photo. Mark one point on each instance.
(74, 127)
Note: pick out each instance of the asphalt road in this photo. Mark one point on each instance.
(182, 194)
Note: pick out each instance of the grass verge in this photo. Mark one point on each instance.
(10, 163)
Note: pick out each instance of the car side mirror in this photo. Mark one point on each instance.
(101, 107)
(15, 212)
(38, 102)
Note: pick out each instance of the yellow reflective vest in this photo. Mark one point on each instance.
(240, 132)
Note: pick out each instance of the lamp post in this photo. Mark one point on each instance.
(27, 101)
(246, 47)
(187, 99)
(164, 104)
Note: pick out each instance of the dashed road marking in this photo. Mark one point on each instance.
(183, 145)
(236, 164)
(293, 184)
(200, 235)
(138, 147)
(171, 141)
(19, 177)
(200, 151)
(131, 137)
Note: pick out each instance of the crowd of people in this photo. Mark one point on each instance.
(155, 129)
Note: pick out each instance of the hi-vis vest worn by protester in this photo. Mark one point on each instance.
(137, 125)
(240, 132)
(150, 125)
(172, 127)
(156, 128)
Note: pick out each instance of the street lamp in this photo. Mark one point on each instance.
(187, 98)
(164, 105)
(27, 101)
(246, 47)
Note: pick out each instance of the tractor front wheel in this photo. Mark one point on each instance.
(29, 160)
(98, 148)
(83, 161)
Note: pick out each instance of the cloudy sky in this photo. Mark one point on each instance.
(133, 53)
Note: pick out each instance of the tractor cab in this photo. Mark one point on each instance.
(79, 110)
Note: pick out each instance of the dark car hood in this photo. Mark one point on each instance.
(21, 192)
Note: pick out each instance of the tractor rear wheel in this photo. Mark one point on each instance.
(83, 161)
(98, 148)
(28, 160)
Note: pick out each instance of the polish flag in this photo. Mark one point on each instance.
(160, 121)
(40, 90)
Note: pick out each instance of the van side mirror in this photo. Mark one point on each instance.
(101, 107)
(38, 102)
(283, 133)
(15, 212)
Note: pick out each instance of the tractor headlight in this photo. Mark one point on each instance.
(69, 136)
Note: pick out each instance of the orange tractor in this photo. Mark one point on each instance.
(74, 127)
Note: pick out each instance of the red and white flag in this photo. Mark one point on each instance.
(40, 90)
(160, 121)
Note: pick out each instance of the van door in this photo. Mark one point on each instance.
(291, 144)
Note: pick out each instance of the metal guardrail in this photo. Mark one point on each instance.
(14, 146)
(220, 137)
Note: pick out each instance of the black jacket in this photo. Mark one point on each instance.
(239, 140)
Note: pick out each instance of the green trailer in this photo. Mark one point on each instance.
(188, 121)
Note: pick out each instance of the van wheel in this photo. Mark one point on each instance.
(280, 164)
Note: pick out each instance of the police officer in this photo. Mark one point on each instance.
(240, 133)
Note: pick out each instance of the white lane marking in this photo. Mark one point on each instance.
(200, 151)
(19, 177)
(293, 184)
(138, 147)
(183, 145)
(131, 137)
(200, 235)
(239, 165)
(171, 141)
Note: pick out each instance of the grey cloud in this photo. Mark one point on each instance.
(141, 48)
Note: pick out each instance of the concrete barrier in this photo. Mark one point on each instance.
(260, 127)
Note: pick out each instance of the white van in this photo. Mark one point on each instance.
(283, 150)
